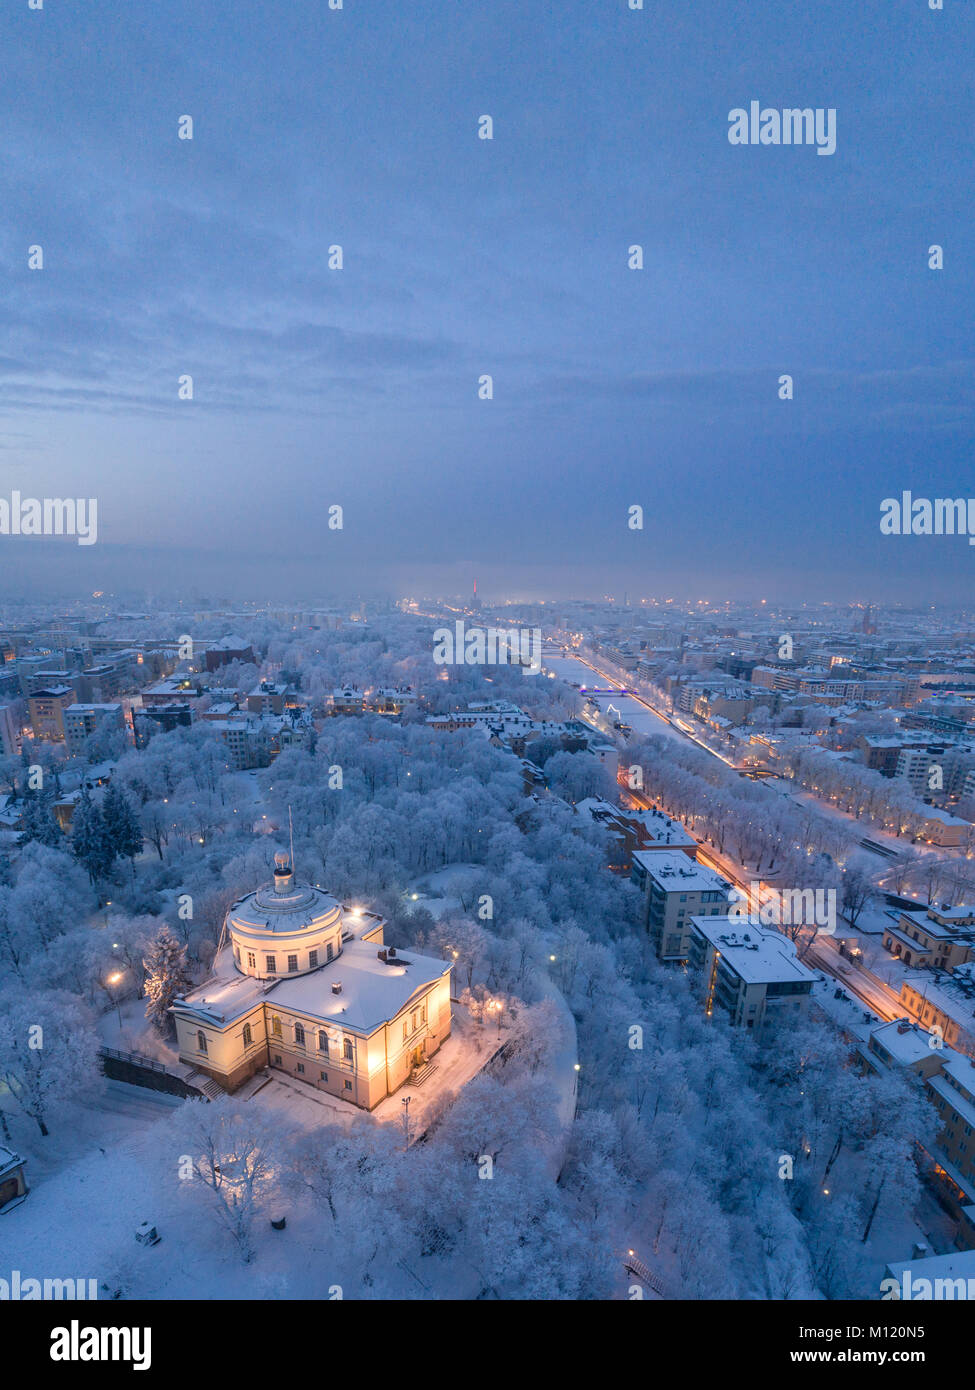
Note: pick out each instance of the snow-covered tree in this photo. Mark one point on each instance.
(38, 823)
(122, 828)
(235, 1156)
(89, 838)
(167, 975)
(48, 1051)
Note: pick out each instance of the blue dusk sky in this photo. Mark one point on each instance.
(508, 257)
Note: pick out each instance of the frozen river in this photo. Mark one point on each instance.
(643, 720)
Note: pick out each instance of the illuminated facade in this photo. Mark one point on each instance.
(306, 986)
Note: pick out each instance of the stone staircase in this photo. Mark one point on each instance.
(419, 1074)
(204, 1084)
(636, 1267)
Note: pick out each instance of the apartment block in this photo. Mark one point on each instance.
(46, 708)
(676, 889)
(748, 973)
(81, 721)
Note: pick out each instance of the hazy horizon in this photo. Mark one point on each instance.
(613, 387)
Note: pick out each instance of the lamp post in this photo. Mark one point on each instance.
(114, 979)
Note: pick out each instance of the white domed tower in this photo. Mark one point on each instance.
(284, 929)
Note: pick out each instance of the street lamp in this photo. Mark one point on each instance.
(114, 979)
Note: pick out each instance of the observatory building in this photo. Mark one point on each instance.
(307, 986)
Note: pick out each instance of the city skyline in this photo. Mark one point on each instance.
(487, 669)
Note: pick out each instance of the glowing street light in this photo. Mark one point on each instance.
(115, 978)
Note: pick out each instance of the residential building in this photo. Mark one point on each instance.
(636, 830)
(348, 699)
(901, 1044)
(952, 1092)
(9, 730)
(226, 650)
(46, 708)
(676, 889)
(81, 721)
(752, 975)
(943, 829)
(941, 937)
(167, 716)
(391, 699)
(267, 698)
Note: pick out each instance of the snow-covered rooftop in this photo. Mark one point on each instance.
(906, 1041)
(676, 872)
(756, 956)
(8, 1160)
(372, 992)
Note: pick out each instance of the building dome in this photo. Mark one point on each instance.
(284, 928)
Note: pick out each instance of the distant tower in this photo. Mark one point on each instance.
(475, 601)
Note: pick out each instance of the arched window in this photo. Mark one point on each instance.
(276, 1026)
(300, 1034)
(248, 1036)
(323, 1041)
(201, 1040)
(347, 1049)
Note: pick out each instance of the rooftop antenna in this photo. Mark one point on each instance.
(291, 838)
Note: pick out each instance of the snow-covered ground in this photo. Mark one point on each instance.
(102, 1172)
(461, 1057)
(133, 1033)
(450, 889)
(564, 1073)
